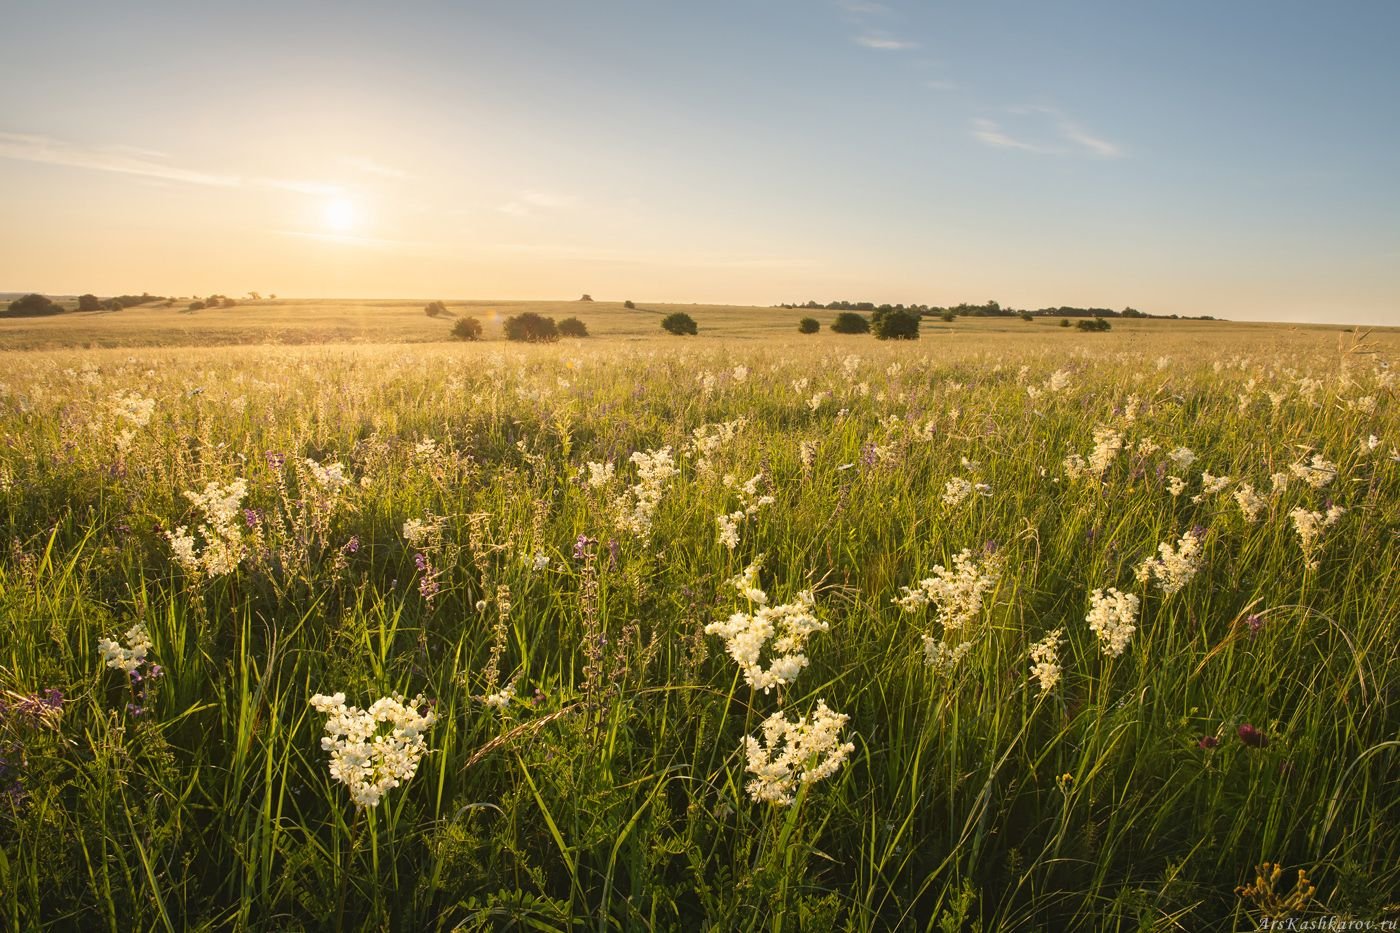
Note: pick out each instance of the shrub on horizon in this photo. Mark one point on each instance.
(848, 322)
(808, 325)
(530, 327)
(572, 327)
(467, 328)
(680, 324)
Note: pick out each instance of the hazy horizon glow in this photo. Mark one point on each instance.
(1193, 158)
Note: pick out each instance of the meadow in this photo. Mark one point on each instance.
(1010, 627)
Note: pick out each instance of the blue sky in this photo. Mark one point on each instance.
(1236, 159)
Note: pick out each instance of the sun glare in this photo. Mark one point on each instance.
(340, 215)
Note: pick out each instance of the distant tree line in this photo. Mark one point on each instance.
(40, 305)
(986, 309)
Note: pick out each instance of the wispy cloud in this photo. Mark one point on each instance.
(529, 202)
(859, 8)
(144, 163)
(371, 167)
(1044, 131)
(49, 151)
(883, 41)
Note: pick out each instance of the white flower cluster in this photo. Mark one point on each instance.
(331, 477)
(1251, 504)
(376, 749)
(501, 698)
(1176, 565)
(1112, 616)
(943, 657)
(956, 593)
(223, 541)
(958, 489)
(420, 533)
(128, 658)
(599, 474)
(1210, 485)
(749, 504)
(1311, 527)
(787, 627)
(802, 751)
(1317, 472)
(134, 411)
(1045, 660)
(1183, 457)
(637, 505)
(707, 440)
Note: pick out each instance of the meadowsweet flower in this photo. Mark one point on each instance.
(1183, 457)
(1311, 527)
(421, 533)
(956, 490)
(374, 750)
(1112, 617)
(943, 657)
(1045, 661)
(1176, 485)
(782, 630)
(1251, 504)
(1210, 485)
(1107, 444)
(792, 753)
(130, 657)
(330, 477)
(1317, 472)
(956, 593)
(501, 698)
(637, 505)
(1176, 565)
(223, 539)
(599, 474)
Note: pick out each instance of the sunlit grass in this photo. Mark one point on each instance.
(610, 791)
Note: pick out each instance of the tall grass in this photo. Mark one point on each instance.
(610, 793)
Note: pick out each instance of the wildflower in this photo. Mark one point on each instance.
(1311, 527)
(956, 490)
(1251, 504)
(1183, 457)
(581, 545)
(223, 540)
(501, 698)
(1045, 660)
(1111, 617)
(599, 474)
(792, 753)
(1210, 485)
(1176, 485)
(637, 505)
(331, 477)
(1317, 472)
(1176, 565)
(943, 657)
(374, 750)
(128, 658)
(1207, 741)
(1252, 736)
(1255, 621)
(1107, 444)
(956, 593)
(421, 533)
(783, 630)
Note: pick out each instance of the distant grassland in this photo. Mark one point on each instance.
(315, 321)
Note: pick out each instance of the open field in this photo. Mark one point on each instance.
(600, 575)
(293, 321)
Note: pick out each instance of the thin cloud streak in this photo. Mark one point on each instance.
(1062, 137)
(128, 160)
(883, 43)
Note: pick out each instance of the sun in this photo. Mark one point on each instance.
(340, 214)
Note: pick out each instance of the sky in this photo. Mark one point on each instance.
(1239, 159)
